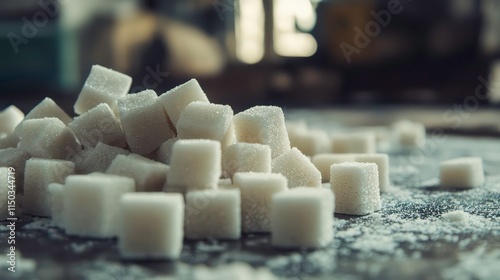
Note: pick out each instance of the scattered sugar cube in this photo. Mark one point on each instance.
(358, 142)
(39, 173)
(164, 152)
(213, 214)
(149, 176)
(355, 187)
(195, 165)
(324, 161)
(202, 120)
(10, 117)
(144, 122)
(410, 134)
(465, 172)
(311, 142)
(4, 193)
(297, 168)
(56, 204)
(47, 108)
(382, 162)
(99, 158)
(151, 225)
(257, 190)
(177, 99)
(91, 204)
(246, 157)
(15, 158)
(264, 125)
(302, 218)
(103, 85)
(47, 138)
(98, 124)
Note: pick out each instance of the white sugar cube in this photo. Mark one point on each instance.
(10, 117)
(144, 122)
(324, 161)
(103, 85)
(98, 124)
(213, 214)
(176, 100)
(382, 162)
(302, 218)
(355, 187)
(99, 158)
(91, 204)
(164, 152)
(357, 142)
(465, 172)
(202, 120)
(149, 176)
(225, 183)
(195, 165)
(311, 142)
(257, 190)
(4, 192)
(151, 226)
(297, 168)
(15, 158)
(39, 173)
(230, 137)
(57, 204)
(409, 134)
(246, 157)
(47, 138)
(47, 108)
(264, 125)
(9, 140)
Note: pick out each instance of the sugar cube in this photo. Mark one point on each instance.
(311, 142)
(202, 120)
(324, 161)
(213, 214)
(246, 157)
(410, 134)
(39, 173)
(382, 162)
(57, 204)
(91, 204)
(225, 183)
(9, 140)
(99, 158)
(355, 187)
(151, 225)
(103, 85)
(264, 125)
(302, 218)
(176, 100)
(465, 172)
(10, 117)
(164, 152)
(297, 168)
(47, 108)
(144, 122)
(195, 165)
(356, 142)
(15, 158)
(257, 190)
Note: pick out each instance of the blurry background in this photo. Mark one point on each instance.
(292, 53)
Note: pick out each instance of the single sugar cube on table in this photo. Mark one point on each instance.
(382, 161)
(195, 165)
(246, 157)
(297, 168)
(302, 218)
(355, 187)
(177, 99)
(99, 124)
(357, 142)
(144, 122)
(47, 108)
(264, 125)
(151, 226)
(257, 190)
(39, 173)
(324, 161)
(465, 172)
(91, 204)
(202, 120)
(213, 214)
(10, 117)
(103, 85)
(56, 204)
(15, 158)
(99, 158)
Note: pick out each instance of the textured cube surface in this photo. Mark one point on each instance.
(144, 122)
(91, 204)
(16, 158)
(56, 204)
(382, 162)
(355, 187)
(302, 217)
(39, 173)
(47, 108)
(246, 157)
(195, 165)
(10, 117)
(297, 168)
(202, 120)
(99, 124)
(9, 140)
(213, 214)
(257, 190)
(358, 142)
(324, 161)
(176, 100)
(466, 172)
(99, 158)
(151, 226)
(164, 152)
(264, 125)
(103, 85)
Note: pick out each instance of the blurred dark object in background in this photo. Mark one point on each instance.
(247, 52)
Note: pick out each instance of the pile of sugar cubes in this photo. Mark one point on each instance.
(154, 170)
